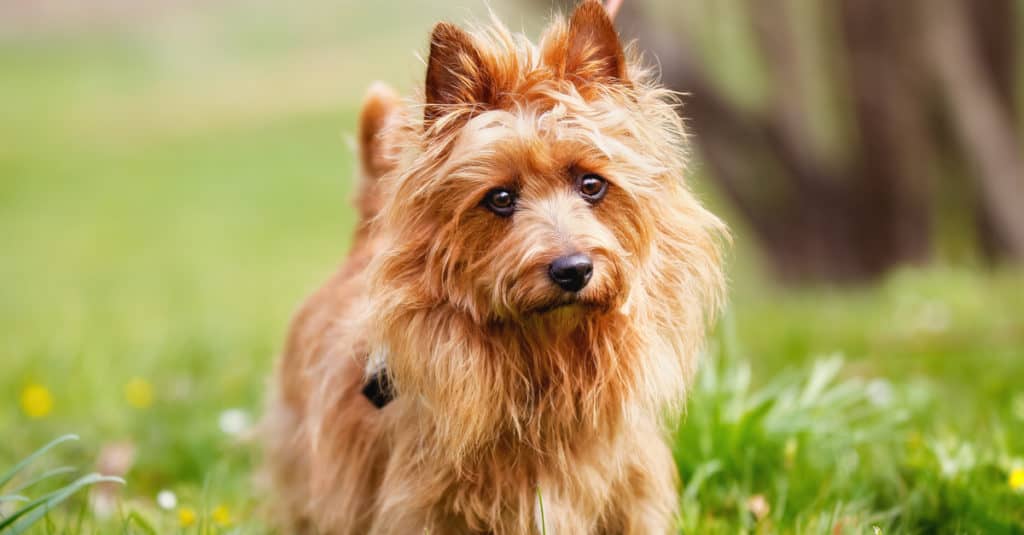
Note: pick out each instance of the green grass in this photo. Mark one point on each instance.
(168, 195)
(24, 512)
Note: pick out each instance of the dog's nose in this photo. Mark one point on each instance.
(571, 272)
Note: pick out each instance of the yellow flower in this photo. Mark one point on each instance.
(186, 517)
(36, 400)
(138, 393)
(1017, 479)
(221, 516)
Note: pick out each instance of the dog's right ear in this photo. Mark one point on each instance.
(456, 74)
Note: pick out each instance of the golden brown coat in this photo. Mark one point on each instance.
(503, 384)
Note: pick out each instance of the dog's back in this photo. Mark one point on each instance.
(326, 326)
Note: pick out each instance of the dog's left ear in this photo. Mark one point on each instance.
(590, 50)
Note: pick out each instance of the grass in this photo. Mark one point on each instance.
(25, 512)
(169, 193)
(829, 449)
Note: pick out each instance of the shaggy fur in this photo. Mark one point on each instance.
(504, 384)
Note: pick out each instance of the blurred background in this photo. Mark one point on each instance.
(175, 178)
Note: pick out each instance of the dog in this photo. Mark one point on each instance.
(521, 310)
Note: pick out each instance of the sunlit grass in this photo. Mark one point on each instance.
(828, 449)
(19, 513)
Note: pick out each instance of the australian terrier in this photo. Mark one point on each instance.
(521, 310)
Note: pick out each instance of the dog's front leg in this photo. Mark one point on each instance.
(554, 515)
(408, 506)
(402, 521)
(644, 502)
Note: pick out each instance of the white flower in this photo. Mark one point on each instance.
(879, 392)
(166, 500)
(234, 421)
(954, 459)
(934, 317)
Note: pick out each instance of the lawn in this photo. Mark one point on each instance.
(171, 187)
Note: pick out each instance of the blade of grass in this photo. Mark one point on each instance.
(543, 519)
(7, 477)
(703, 472)
(143, 524)
(80, 517)
(44, 476)
(39, 507)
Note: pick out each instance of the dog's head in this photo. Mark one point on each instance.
(544, 179)
(542, 191)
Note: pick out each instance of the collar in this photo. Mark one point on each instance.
(378, 389)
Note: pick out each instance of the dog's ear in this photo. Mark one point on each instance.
(456, 73)
(378, 150)
(590, 50)
(381, 106)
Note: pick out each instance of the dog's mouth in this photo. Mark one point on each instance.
(566, 302)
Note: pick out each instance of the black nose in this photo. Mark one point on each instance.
(571, 272)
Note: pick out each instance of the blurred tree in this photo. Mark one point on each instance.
(918, 93)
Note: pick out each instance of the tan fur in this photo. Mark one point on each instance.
(499, 392)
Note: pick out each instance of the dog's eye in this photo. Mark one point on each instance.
(500, 201)
(592, 187)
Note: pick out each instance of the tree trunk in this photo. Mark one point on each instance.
(856, 215)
